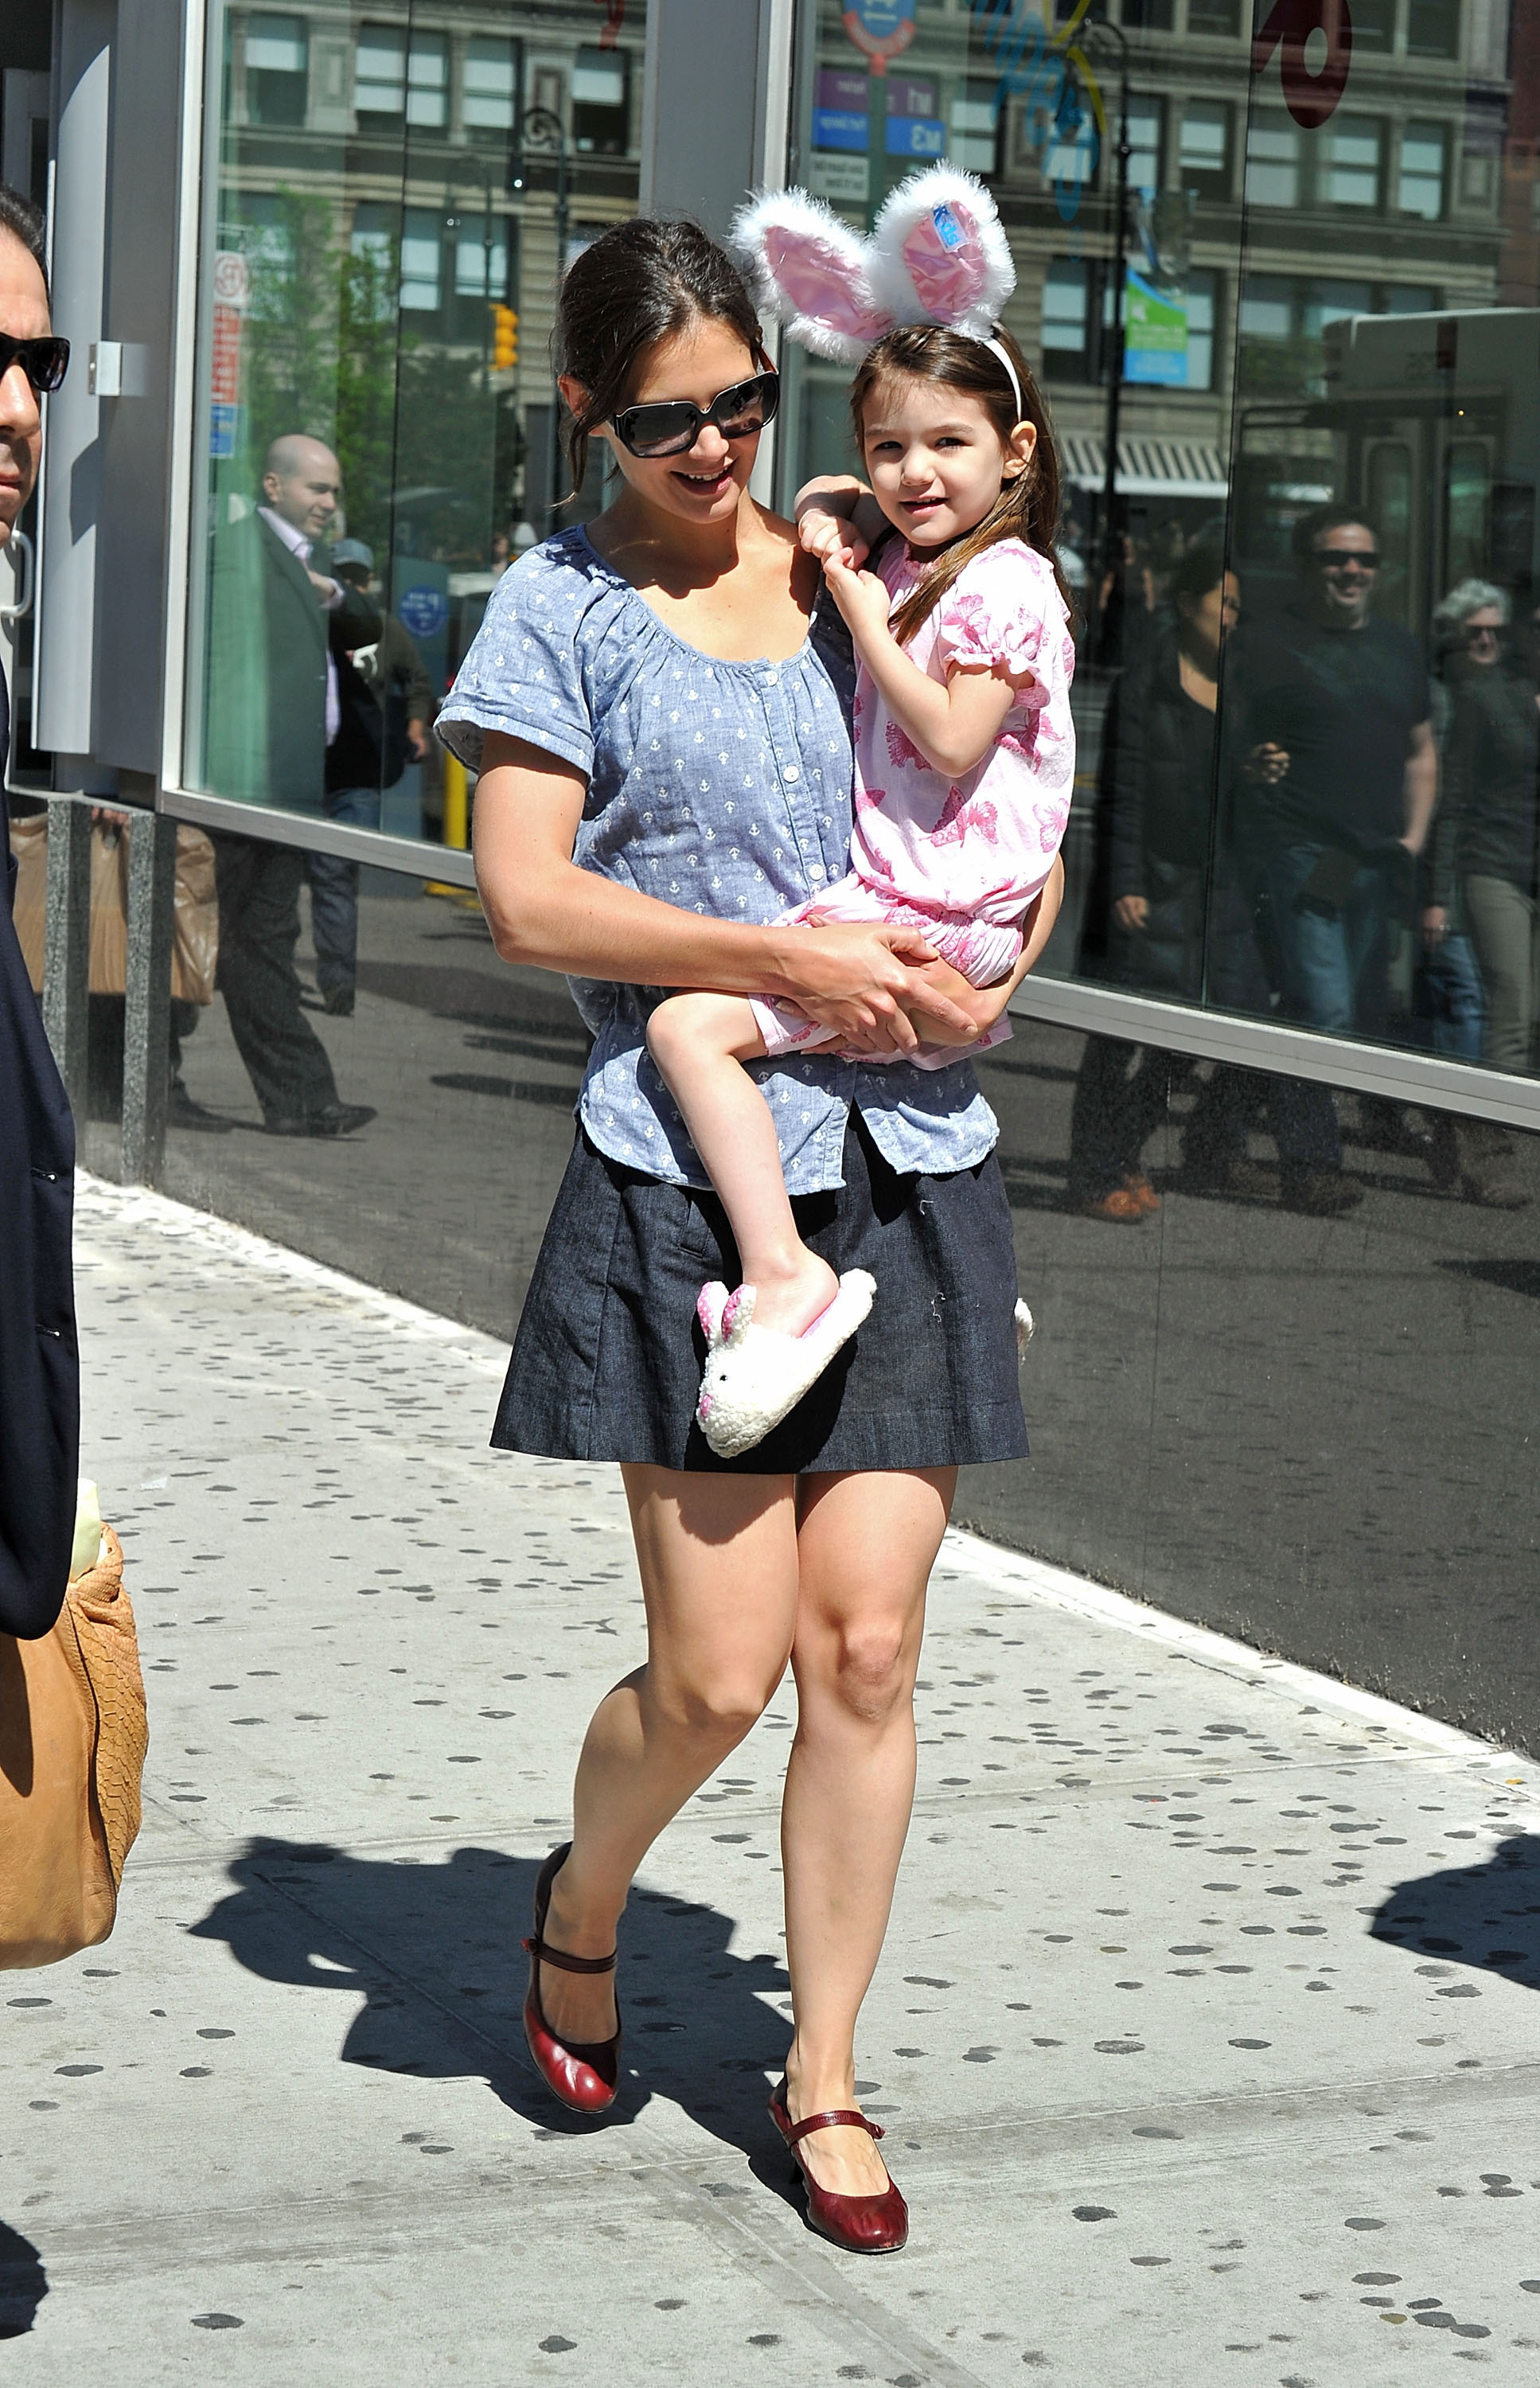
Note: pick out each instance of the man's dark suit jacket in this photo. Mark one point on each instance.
(265, 710)
(39, 1370)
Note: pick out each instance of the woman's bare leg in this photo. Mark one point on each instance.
(699, 1043)
(719, 1571)
(867, 1545)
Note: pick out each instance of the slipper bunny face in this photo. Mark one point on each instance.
(936, 255)
(725, 1319)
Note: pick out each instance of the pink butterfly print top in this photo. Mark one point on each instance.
(982, 845)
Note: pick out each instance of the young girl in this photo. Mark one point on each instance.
(964, 763)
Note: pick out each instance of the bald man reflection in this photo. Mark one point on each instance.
(271, 711)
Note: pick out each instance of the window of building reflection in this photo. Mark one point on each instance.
(1345, 263)
(392, 193)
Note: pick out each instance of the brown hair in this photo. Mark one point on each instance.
(1028, 506)
(638, 284)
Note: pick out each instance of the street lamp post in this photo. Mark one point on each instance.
(544, 129)
(1119, 262)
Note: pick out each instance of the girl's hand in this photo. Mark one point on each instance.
(861, 598)
(824, 535)
(863, 983)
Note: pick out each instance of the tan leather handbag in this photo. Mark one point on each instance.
(73, 1741)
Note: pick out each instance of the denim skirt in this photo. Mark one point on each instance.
(608, 1357)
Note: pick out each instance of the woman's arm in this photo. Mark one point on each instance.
(542, 909)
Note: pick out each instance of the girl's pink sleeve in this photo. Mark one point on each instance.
(1005, 609)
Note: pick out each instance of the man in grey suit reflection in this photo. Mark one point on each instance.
(272, 708)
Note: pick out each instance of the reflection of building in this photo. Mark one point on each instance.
(435, 141)
(1391, 205)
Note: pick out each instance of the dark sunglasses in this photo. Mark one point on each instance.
(1366, 558)
(44, 363)
(673, 425)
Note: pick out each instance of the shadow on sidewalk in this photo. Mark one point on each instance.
(23, 2283)
(434, 1952)
(1486, 1915)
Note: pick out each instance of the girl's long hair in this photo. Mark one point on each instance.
(1028, 507)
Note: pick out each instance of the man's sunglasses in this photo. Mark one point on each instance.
(1335, 560)
(673, 425)
(45, 362)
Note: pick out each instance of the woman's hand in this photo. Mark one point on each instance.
(865, 983)
(1132, 911)
(1266, 763)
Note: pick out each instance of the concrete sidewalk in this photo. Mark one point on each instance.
(1213, 2102)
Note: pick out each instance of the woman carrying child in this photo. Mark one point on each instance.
(659, 706)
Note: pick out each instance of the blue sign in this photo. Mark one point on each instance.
(224, 421)
(423, 611)
(916, 136)
(838, 128)
(881, 18)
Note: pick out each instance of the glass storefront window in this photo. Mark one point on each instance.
(1349, 442)
(384, 220)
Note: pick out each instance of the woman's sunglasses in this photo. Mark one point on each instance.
(45, 362)
(673, 425)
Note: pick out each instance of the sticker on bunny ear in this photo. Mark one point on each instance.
(940, 254)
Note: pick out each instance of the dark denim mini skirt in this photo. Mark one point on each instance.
(608, 1357)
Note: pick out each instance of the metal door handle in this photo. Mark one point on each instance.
(23, 604)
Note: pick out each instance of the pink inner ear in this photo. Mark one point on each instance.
(946, 279)
(822, 282)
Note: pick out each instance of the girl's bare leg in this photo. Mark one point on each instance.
(867, 1543)
(719, 1569)
(699, 1043)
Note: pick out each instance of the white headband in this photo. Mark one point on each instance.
(936, 255)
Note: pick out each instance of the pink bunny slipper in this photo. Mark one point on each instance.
(754, 1376)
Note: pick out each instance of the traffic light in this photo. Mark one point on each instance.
(505, 339)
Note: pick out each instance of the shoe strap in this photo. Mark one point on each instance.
(824, 2122)
(565, 1964)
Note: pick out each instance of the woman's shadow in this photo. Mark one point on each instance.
(1486, 1915)
(432, 1954)
(23, 2283)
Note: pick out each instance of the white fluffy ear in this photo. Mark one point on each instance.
(812, 272)
(940, 254)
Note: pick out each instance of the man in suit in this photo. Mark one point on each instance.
(272, 710)
(39, 1370)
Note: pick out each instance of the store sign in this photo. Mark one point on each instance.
(423, 610)
(224, 431)
(224, 370)
(880, 30)
(840, 127)
(1155, 332)
(848, 181)
(1315, 81)
(914, 127)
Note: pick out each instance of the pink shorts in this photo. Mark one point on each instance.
(976, 949)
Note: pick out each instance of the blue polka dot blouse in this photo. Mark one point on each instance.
(720, 787)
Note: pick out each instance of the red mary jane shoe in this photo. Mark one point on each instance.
(582, 2073)
(866, 2225)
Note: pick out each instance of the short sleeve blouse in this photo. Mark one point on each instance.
(723, 788)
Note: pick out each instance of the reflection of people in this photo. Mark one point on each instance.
(1344, 780)
(616, 667)
(1486, 854)
(272, 707)
(384, 704)
(39, 1369)
(1166, 767)
(965, 765)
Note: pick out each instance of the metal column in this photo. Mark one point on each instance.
(66, 945)
(147, 995)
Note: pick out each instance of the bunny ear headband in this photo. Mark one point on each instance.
(936, 255)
